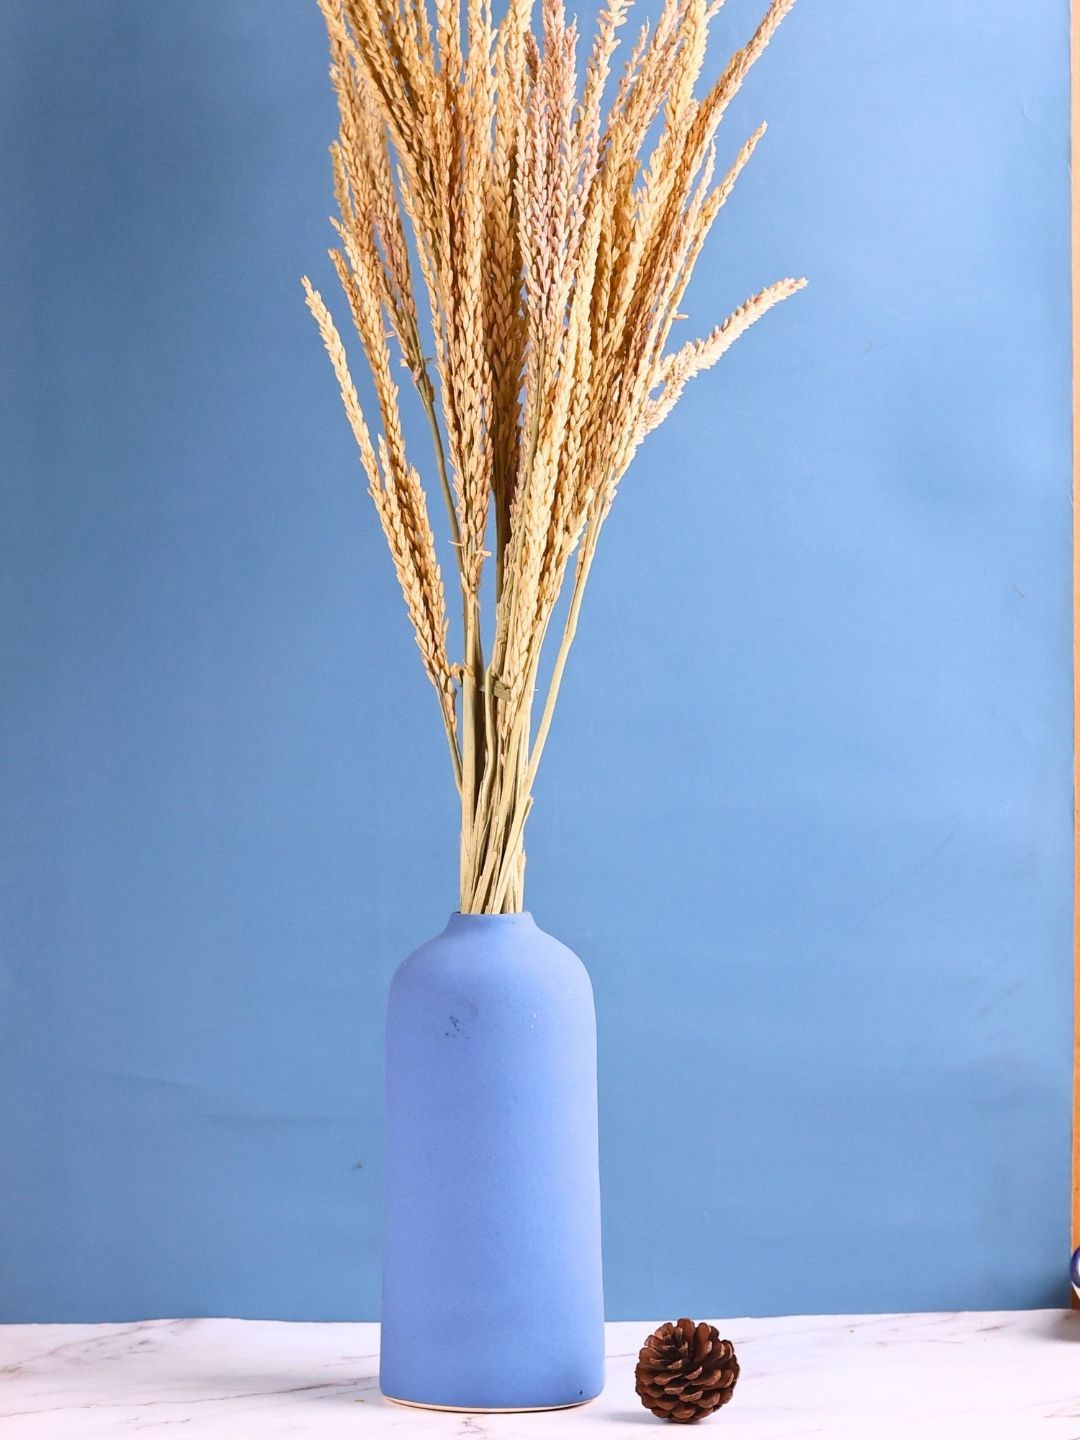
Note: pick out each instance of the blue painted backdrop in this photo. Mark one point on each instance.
(806, 810)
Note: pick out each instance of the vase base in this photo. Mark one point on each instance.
(485, 1409)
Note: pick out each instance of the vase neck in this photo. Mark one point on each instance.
(460, 924)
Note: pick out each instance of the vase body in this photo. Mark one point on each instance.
(492, 1289)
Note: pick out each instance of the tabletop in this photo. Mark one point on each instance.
(987, 1375)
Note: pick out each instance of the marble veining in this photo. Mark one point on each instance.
(974, 1376)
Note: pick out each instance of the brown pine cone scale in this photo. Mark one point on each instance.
(685, 1371)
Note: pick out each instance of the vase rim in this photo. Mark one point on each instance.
(514, 917)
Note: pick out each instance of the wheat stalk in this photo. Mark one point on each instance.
(552, 252)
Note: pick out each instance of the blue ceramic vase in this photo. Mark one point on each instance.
(492, 1290)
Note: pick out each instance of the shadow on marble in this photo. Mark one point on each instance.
(1064, 1325)
(205, 1386)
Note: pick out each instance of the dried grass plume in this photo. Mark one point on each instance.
(520, 249)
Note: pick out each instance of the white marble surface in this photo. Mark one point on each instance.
(977, 1376)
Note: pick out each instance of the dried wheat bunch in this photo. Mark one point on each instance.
(523, 256)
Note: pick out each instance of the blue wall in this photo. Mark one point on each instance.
(806, 810)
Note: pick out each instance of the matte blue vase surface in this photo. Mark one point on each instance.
(492, 1289)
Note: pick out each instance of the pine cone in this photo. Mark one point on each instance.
(685, 1372)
